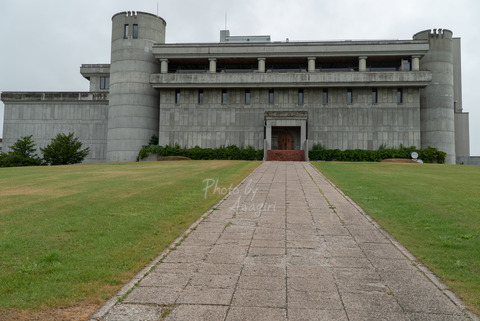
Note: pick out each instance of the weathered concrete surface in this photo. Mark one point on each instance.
(287, 246)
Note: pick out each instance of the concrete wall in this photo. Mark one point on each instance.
(337, 124)
(462, 135)
(44, 115)
(362, 124)
(468, 160)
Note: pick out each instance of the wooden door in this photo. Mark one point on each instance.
(285, 141)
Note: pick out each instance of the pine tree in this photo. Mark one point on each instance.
(64, 149)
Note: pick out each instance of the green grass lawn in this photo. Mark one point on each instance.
(75, 234)
(434, 210)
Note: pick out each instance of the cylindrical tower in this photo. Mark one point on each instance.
(437, 112)
(134, 105)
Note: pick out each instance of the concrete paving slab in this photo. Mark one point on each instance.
(255, 313)
(288, 246)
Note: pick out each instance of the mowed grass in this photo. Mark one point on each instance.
(434, 210)
(75, 234)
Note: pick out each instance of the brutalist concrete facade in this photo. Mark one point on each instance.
(270, 95)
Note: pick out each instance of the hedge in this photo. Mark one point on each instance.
(230, 152)
(427, 155)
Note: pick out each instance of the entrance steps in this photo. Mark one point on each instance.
(286, 155)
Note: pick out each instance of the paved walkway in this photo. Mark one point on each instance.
(286, 245)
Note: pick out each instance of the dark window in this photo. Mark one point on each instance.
(200, 97)
(135, 31)
(300, 97)
(224, 96)
(177, 96)
(247, 97)
(126, 31)
(400, 96)
(349, 96)
(104, 82)
(374, 96)
(271, 96)
(325, 96)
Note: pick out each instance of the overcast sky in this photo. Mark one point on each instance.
(43, 43)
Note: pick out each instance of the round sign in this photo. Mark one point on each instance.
(414, 155)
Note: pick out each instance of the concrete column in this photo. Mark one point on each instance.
(261, 64)
(362, 63)
(213, 65)
(415, 63)
(311, 64)
(164, 66)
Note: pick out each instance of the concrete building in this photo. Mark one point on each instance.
(250, 91)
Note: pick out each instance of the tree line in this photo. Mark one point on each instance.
(63, 150)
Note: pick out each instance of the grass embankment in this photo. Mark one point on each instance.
(75, 234)
(434, 210)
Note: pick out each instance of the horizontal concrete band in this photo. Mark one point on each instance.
(395, 48)
(292, 80)
(88, 97)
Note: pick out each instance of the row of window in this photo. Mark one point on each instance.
(126, 31)
(301, 95)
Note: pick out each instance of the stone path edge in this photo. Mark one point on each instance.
(129, 286)
(418, 264)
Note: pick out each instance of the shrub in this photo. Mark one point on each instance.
(22, 153)
(64, 149)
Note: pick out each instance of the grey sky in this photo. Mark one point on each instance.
(43, 43)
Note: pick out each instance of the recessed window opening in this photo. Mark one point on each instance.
(400, 95)
(349, 96)
(200, 96)
(247, 96)
(374, 96)
(126, 31)
(224, 96)
(325, 96)
(300, 97)
(104, 82)
(135, 31)
(177, 96)
(271, 96)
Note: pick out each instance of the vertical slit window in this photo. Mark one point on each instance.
(374, 96)
(126, 31)
(135, 31)
(177, 97)
(300, 97)
(349, 96)
(325, 96)
(271, 96)
(104, 82)
(200, 97)
(224, 97)
(247, 97)
(400, 96)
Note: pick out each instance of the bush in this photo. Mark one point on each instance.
(63, 150)
(427, 155)
(231, 152)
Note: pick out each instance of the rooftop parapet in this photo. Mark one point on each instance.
(9, 96)
(433, 33)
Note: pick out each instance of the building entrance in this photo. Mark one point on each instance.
(286, 135)
(286, 138)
